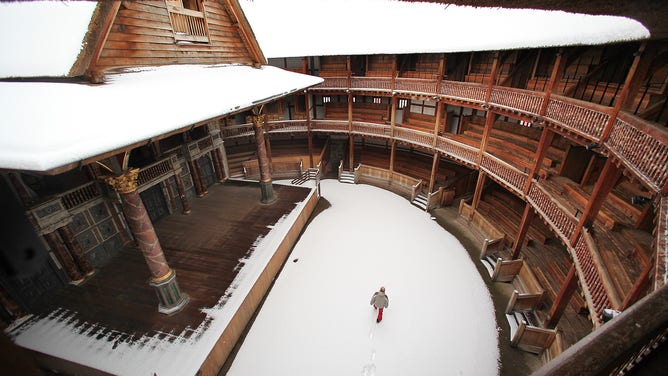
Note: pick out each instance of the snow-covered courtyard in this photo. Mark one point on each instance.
(317, 319)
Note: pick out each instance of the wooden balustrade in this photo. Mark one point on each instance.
(155, 172)
(205, 143)
(661, 233)
(463, 91)
(188, 25)
(339, 83)
(370, 83)
(414, 136)
(334, 126)
(242, 130)
(371, 129)
(590, 281)
(587, 119)
(505, 173)
(642, 147)
(415, 85)
(466, 154)
(286, 126)
(559, 218)
(515, 99)
(80, 195)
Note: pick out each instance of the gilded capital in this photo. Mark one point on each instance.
(259, 120)
(124, 183)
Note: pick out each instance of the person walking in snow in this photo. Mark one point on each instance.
(380, 301)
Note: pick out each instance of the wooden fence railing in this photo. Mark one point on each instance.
(515, 99)
(372, 129)
(80, 195)
(504, 173)
(587, 119)
(556, 215)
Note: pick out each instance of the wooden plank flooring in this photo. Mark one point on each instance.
(203, 247)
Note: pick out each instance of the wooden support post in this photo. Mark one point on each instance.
(557, 73)
(434, 169)
(193, 166)
(393, 149)
(182, 192)
(266, 187)
(393, 115)
(489, 123)
(525, 224)
(309, 135)
(66, 260)
(546, 137)
(604, 185)
(563, 297)
(75, 250)
(351, 142)
(492, 76)
(639, 287)
(478, 190)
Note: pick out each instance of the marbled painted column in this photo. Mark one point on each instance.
(163, 278)
(194, 173)
(56, 245)
(75, 250)
(182, 193)
(218, 165)
(263, 161)
(202, 179)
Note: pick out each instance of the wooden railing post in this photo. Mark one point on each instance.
(563, 297)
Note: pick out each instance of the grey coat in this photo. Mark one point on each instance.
(380, 300)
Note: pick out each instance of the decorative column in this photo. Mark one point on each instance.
(75, 250)
(194, 173)
(263, 162)
(163, 278)
(64, 257)
(176, 166)
(218, 165)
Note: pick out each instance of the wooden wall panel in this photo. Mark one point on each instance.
(142, 35)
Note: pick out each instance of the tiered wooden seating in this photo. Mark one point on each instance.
(237, 155)
(367, 112)
(336, 111)
(421, 122)
(528, 294)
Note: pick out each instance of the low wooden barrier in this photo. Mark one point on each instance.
(528, 293)
(286, 169)
(506, 270)
(528, 337)
(384, 178)
(493, 238)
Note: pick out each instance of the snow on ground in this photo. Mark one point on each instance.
(317, 318)
(361, 27)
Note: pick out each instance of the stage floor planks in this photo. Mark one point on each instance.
(204, 247)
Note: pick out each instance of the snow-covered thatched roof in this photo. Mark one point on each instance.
(360, 27)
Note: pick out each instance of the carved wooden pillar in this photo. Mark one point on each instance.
(527, 217)
(194, 174)
(266, 186)
(163, 278)
(66, 260)
(309, 135)
(182, 192)
(202, 179)
(75, 250)
(561, 301)
(489, 123)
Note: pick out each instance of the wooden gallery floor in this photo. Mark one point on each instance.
(203, 247)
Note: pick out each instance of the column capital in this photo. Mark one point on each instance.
(259, 120)
(124, 183)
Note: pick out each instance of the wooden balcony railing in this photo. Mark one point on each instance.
(414, 137)
(80, 195)
(337, 83)
(370, 83)
(242, 130)
(643, 148)
(587, 119)
(188, 25)
(371, 129)
(155, 172)
(463, 91)
(515, 99)
(466, 154)
(559, 218)
(590, 281)
(415, 85)
(504, 173)
(333, 126)
(286, 126)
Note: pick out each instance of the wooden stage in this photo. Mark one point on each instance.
(204, 247)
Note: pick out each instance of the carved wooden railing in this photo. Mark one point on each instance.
(463, 91)
(504, 173)
(515, 99)
(416, 85)
(330, 126)
(584, 118)
(661, 234)
(188, 25)
(415, 137)
(458, 151)
(590, 281)
(286, 126)
(80, 195)
(556, 215)
(642, 147)
(156, 172)
(241, 130)
(372, 129)
(333, 83)
(370, 83)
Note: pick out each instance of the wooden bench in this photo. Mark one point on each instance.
(528, 337)
(492, 239)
